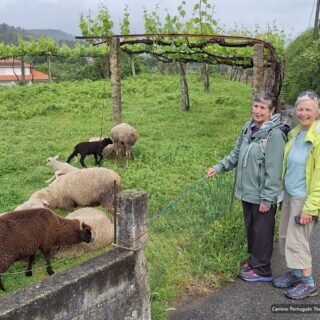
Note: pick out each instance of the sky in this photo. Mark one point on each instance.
(292, 16)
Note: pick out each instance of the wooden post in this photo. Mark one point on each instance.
(23, 70)
(258, 68)
(115, 79)
(185, 103)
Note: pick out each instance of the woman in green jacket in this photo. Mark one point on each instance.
(301, 204)
(257, 155)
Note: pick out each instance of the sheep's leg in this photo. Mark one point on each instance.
(101, 158)
(1, 286)
(55, 176)
(49, 267)
(51, 179)
(29, 267)
(127, 158)
(72, 155)
(117, 156)
(96, 159)
(82, 161)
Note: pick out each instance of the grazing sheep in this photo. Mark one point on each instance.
(86, 187)
(101, 228)
(22, 233)
(124, 137)
(59, 167)
(87, 148)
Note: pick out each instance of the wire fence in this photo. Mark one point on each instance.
(174, 230)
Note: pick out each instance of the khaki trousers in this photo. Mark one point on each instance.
(294, 238)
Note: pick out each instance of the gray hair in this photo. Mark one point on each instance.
(265, 97)
(308, 95)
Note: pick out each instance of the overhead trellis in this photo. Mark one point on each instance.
(194, 48)
(188, 47)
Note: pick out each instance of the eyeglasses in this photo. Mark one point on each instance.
(310, 94)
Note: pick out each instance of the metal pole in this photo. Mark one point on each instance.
(316, 22)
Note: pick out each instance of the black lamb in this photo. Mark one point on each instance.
(87, 148)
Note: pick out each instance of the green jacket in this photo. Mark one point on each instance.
(258, 158)
(312, 203)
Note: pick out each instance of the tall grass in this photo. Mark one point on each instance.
(193, 229)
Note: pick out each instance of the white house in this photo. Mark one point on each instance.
(11, 73)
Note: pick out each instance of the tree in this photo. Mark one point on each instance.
(47, 47)
(125, 29)
(100, 26)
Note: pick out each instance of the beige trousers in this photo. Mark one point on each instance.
(294, 238)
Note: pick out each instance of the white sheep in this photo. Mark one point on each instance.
(86, 187)
(124, 137)
(102, 233)
(59, 167)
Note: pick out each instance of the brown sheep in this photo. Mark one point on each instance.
(23, 232)
(124, 137)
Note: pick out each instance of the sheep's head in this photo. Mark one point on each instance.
(51, 159)
(107, 141)
(85, 234)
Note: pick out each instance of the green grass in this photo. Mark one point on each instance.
(193, 231)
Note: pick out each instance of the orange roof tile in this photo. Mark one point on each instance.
(36, 75)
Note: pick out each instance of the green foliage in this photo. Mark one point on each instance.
(125, 24)
(302, 66)
(101, 25)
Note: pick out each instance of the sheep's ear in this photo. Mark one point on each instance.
(45, 202)
(56, 157)
(84, 226)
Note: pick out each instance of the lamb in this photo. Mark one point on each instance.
(59, 167)
(102, 233)
(22, 233)
(124, 137)
(86, 187)
(87, 148)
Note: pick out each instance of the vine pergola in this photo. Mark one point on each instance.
(193, 48)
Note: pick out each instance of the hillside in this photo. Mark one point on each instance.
(9, 34)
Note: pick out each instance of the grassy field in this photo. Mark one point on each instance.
(170, 157)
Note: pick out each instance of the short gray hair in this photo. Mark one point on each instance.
(308, 95)
(267, 98)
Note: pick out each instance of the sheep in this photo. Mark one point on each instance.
(87, 148)
(102, 233)
(124, 137)
(59, 167)
(86, 187)
(23, 232)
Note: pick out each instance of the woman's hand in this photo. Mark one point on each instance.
(263, 208)
(305, 218)
(211, 172)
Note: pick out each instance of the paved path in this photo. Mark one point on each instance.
(242, 300)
